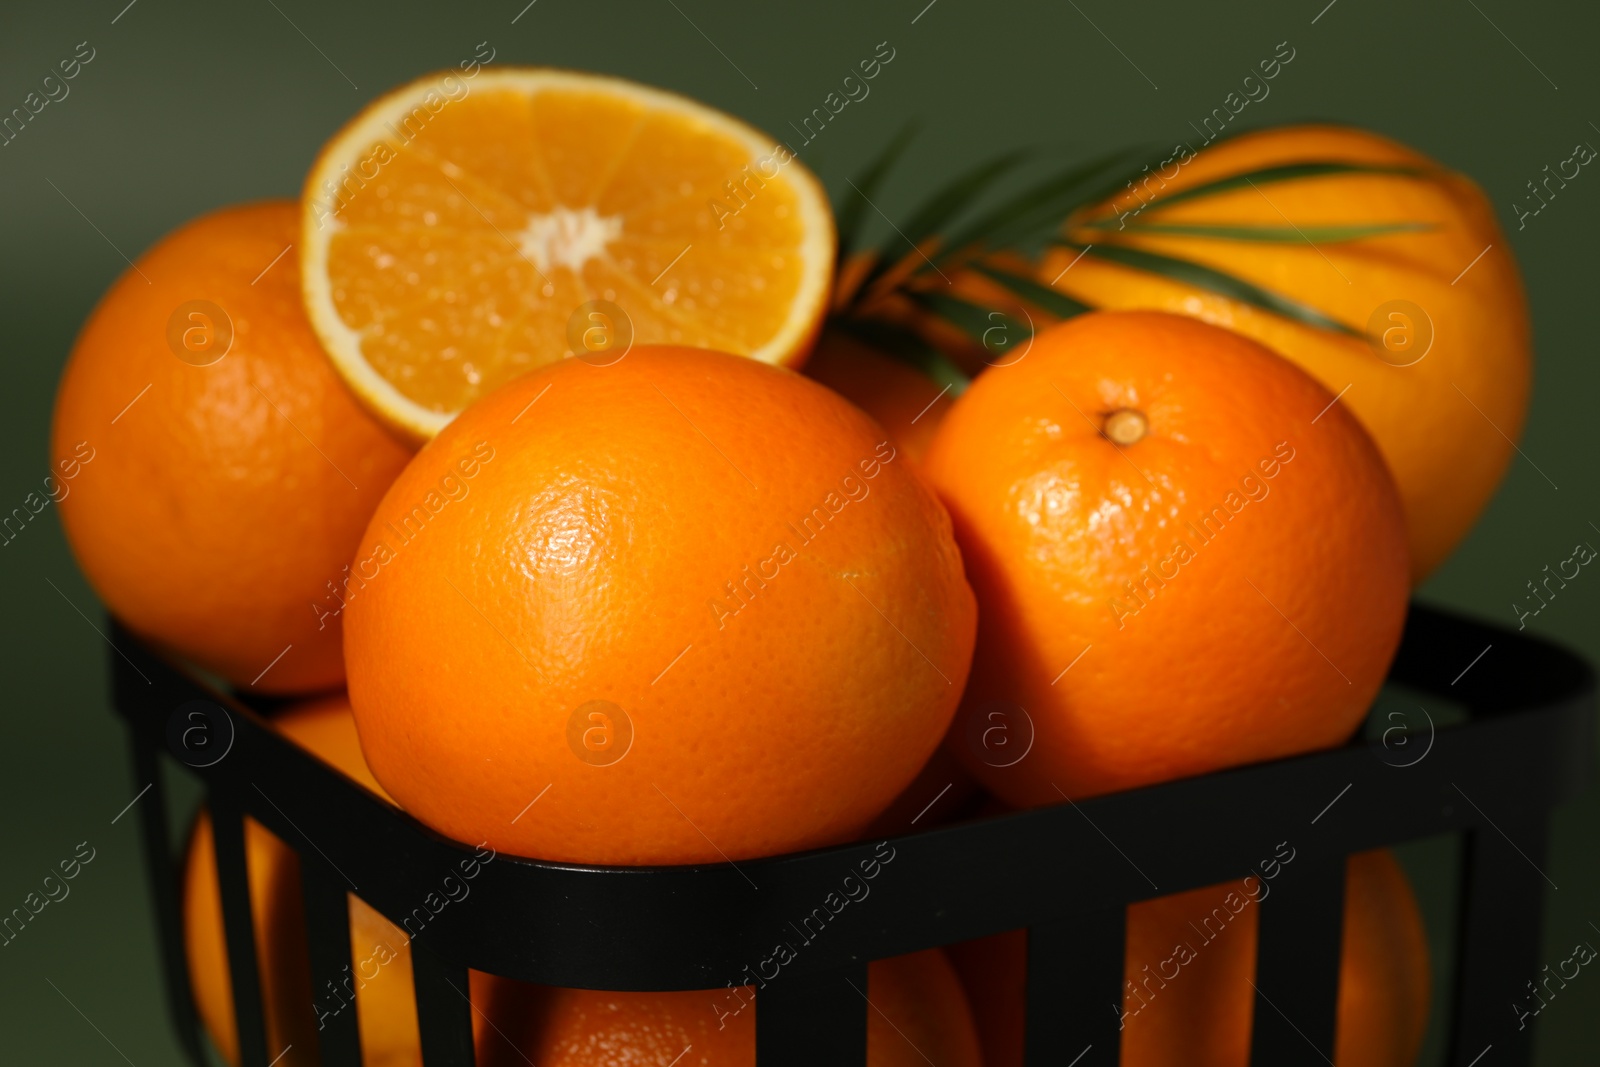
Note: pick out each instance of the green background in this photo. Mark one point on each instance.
(188, 106)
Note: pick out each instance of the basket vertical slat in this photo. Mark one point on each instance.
(1297, 964)
(804, 1020)
(233, 882)
(444, 1012)
(1502, 910)
(1074, 988)
(161, 872)
(328, 937)
(1527, 745)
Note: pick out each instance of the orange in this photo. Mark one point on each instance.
(464, 229)
(917, 1016)
(380, 984)
(1187, 997)
(215, 473)
(904, 401)
(684, 608)
(1186, 557)
(1435, 358)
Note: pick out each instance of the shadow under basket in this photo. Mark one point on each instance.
(1526, 745)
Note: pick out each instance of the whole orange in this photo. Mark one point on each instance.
(1434, 352)
(684, 607)
(379, 988)
(1191, 959)
(906, 402)
(917, 1016)
(1186, 557)
(222, 470)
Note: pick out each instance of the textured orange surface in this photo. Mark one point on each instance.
(917, 1016)
(220, 499)
(764, 595)
(1238, 576)
(1201, 1013)
(1445, 424)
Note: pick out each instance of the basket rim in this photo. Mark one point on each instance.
(1528, 745)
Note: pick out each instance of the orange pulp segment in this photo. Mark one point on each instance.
(463, 230)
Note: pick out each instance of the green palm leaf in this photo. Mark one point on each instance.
(1045, 203)
(907, 347)
(940, 208)
(1215, 281)
(1283, 172)
(996, 331)
(1019, 219)
(1057, 303)
(850, 213)
(1270, 234)
(954, 198)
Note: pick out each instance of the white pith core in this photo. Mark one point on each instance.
(567, 238)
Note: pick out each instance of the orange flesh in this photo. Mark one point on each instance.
(467, 242)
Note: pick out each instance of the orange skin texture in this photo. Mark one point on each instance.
(1262, 633)
(214, 509)
(903, 400)
(1446, 457)
(381, 951)
(1202, 1017)
(590, 557)
(918, 1015)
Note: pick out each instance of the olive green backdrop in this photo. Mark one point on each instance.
(187, 106)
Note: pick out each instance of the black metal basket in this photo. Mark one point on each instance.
(1065, 873)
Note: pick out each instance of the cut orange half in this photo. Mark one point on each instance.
(464, 229)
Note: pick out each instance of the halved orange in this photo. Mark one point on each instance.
(464, 229)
